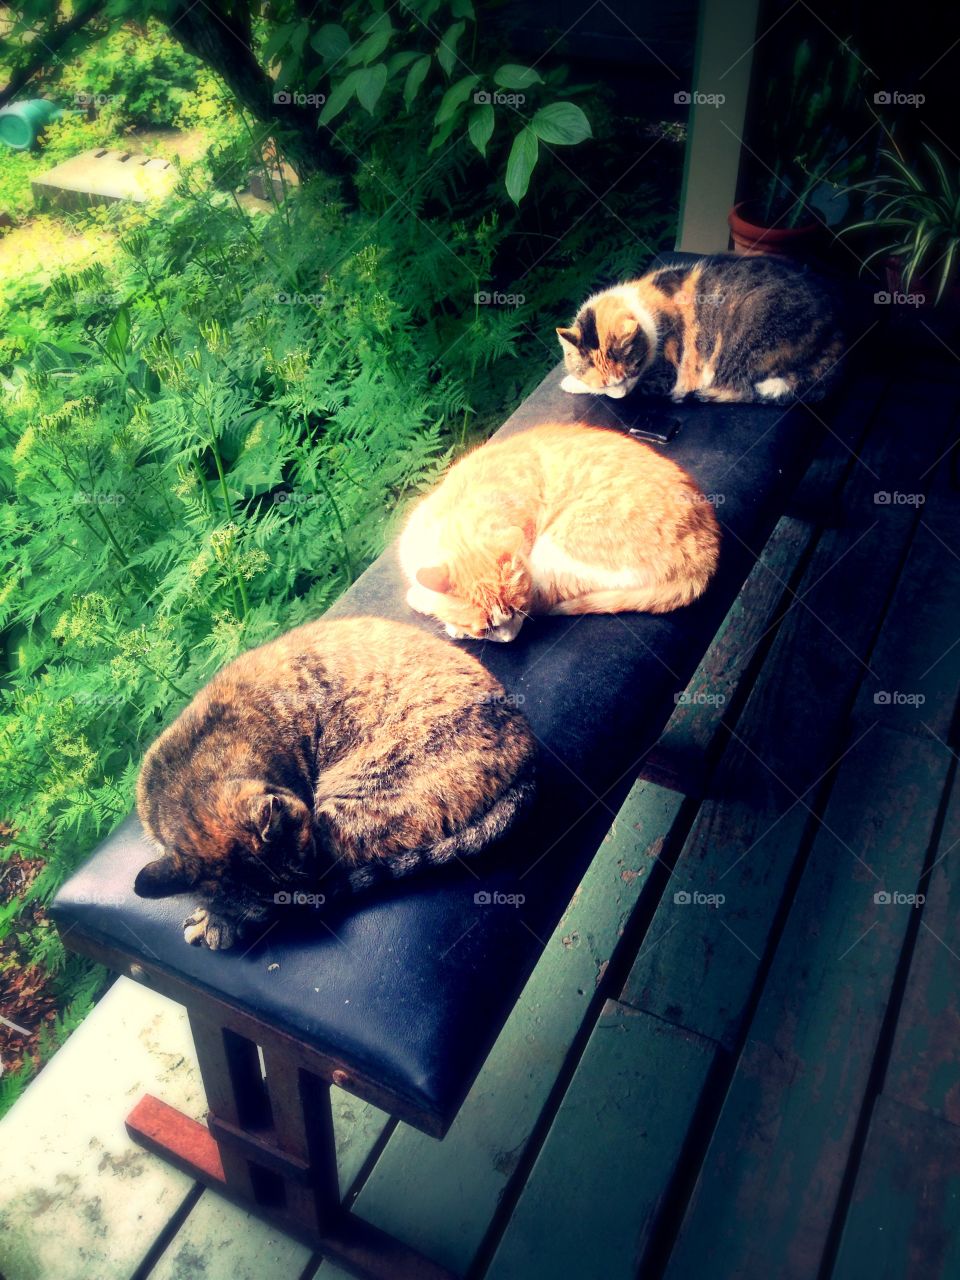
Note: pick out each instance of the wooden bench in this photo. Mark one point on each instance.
(400, 1000)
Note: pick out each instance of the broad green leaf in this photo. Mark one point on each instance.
(397, 61)
(447, 49)
(279, 40)
(513, 76)
(521, 163)
(118, 335)
(480, 126)
(415, 78)
(331, 42)
(462, 9)
(370, 85)
(339, 96)
(562, 123)
(369, 49)
(454, 98)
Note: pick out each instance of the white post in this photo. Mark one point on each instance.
(726, 34)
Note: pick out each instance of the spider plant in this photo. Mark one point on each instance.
(917, 216)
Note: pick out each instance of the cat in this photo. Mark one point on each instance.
(557, 519)
(725, 328)
(341, 754)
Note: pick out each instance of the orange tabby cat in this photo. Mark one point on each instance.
(557, 519)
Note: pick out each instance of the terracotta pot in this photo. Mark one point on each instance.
(786, 242)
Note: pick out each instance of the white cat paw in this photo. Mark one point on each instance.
(575, 386)
(203, 929)
(456, 634)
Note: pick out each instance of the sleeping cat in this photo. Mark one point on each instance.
(557, 519)
(724, 328)
(340, 754)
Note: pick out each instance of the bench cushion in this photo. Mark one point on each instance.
(410, 990)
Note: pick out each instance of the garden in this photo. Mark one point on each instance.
(215, 408)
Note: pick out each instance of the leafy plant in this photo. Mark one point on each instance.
(804, 132)
(916, 216)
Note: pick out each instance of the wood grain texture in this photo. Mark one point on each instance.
(902, 1221)
(699, 966)
(610, 1154)
(785, 1132)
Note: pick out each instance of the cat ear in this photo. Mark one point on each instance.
(162, 878)
(572, 336)
(627, 327)
(266, 813)
(435, 578)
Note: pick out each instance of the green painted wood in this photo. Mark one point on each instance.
(905, 1212)
(78, 1198)
(440, 1197)
(218, 1241)
(682, 757)
(783, 1139)
(699, 965)
(924, 1066)
(592, 1197)
(917, 659)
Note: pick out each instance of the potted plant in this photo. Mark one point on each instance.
(802, 149)
(916, 215)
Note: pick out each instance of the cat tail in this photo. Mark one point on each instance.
(463, 844)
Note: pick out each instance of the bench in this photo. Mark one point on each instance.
(400, 999)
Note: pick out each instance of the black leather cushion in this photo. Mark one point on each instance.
(411, 990)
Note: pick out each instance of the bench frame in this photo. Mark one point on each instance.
(268, 1144)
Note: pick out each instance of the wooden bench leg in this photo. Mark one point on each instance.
(269, 1146)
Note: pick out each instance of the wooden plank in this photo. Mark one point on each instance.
(916, 665)
(683, 755)
(219, 1241)
(924, 1066)
(78, 1198)
(903, 1219)
(441, 1196)
(784, 1135)
(700, 966)
(592, 1197)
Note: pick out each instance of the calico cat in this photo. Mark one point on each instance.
(343, 753)
(557, 519)
(726, 328)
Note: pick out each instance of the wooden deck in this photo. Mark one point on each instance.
(740, 1053)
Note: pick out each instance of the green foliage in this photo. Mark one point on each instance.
(62, 139)
(378, 60)
(915, 215)
(136, 75)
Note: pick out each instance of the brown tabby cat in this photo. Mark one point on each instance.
(342, 753)
(557, 519)
(724, 328)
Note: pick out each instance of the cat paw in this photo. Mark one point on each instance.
(575, 386)
(456, 634)
(203, 929)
